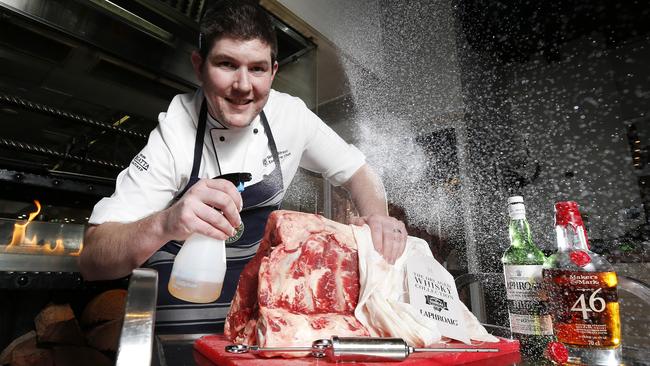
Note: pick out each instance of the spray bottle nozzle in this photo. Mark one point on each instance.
(238, 179)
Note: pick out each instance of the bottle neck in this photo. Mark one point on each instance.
(520, 233)
(571, 237)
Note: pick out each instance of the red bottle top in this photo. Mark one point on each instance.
(566, 212)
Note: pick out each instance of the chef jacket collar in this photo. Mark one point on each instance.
(213, 123)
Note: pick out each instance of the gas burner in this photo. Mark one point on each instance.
(39, 255)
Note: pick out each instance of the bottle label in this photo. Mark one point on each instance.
(432, 293)
(526, 300)
(584, 307)
(531, 324)
(523, 282)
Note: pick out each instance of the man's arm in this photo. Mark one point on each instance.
(112, 250)
(369, 197)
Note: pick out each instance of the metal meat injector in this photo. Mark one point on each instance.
(356, 349)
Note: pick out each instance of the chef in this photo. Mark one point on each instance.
(234, 122)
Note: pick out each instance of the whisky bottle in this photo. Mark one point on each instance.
(581, 287)
(530, 321)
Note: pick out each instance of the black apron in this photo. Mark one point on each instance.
(176, 316)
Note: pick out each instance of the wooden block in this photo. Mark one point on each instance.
(106, 336)
(23, 351)
(80, 356)
(109, 305)
(56, 323)
(32, 356)
(5, 355)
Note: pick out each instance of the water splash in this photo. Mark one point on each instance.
(549, 129)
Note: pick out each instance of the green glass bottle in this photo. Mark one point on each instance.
(530, 321)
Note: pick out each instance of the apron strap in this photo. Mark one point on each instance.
(198, 149)
(274, 149)
(198, 143)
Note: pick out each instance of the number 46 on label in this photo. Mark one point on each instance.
(596, 304)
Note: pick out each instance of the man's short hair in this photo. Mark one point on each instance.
(239, 19)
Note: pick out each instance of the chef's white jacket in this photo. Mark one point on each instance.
(162, 169)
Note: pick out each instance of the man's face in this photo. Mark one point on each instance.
(236, 78)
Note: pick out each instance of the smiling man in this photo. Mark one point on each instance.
(237, 77)
(234, 122)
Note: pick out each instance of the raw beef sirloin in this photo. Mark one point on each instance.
(302, 285)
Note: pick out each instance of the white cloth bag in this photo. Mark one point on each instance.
(383, 306)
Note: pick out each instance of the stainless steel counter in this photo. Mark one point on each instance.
(139, 346)
(136, 340)
(177, 351)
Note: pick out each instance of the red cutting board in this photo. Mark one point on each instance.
(213, 348)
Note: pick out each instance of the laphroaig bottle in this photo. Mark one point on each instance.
(200, 266)
(530, 321)
(582, 292)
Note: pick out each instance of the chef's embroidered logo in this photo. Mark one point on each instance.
(140, 162)
(437, 303)
(281, 155)
(238, 234)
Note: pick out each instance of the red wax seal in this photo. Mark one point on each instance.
(556, 352)
(580, 258)
(567, 213)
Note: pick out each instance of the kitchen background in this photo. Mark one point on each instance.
(457, 104)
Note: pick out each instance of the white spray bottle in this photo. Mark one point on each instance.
(200, 266)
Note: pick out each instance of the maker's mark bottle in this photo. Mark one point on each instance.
(522, 268)
(581, 286)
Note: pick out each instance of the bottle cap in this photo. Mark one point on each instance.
(566, 212)
(516, 208)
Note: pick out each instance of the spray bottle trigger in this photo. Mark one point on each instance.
(238, 179)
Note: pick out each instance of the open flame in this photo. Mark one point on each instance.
(21, 243)
(18, 237)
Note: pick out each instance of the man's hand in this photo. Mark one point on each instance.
(388, 235)
(210, 207)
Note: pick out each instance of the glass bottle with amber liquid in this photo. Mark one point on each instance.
(530, 321)
(581, 287)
